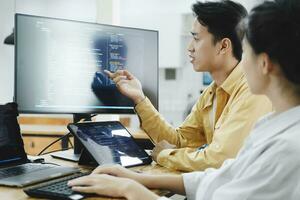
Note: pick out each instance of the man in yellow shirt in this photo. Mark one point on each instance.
(224, 114)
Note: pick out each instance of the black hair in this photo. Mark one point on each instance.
(222, 19)
(274, 28)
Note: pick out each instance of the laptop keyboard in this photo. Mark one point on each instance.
(22, 169)
(56, 189)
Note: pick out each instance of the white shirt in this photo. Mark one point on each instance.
(267, 167)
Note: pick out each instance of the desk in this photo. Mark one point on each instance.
(36, 137)
(9, 193)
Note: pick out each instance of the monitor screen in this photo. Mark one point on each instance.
(59, 65)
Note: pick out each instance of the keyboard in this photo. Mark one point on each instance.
(22, 169)
(56, 189)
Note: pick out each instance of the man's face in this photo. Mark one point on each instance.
(202, 50)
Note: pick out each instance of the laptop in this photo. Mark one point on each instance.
(108, 143)
(16, 170)
(104, 143)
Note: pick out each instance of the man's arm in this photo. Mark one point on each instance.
(190, 133)
(227, 140)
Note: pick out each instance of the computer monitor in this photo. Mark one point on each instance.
(59, 65)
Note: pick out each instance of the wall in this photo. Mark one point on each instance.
(164, 16)
(7, 8)
(83, 10)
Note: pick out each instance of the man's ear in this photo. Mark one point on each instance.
(265, 63)
(225, 46)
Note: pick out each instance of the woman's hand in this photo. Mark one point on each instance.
(127, 84)
(117, 170)
(101, 184)
(107, 185)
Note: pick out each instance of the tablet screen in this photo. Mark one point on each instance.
(109, 142)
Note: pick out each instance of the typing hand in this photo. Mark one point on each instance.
(101, 184)
(160, 147)
(112, 186)
(116, 170)
(127, 84)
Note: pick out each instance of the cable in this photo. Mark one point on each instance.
(70, 142)
(62, 137)
(53, 143)
(56, 150)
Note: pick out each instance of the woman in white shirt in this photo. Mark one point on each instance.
(268, 165)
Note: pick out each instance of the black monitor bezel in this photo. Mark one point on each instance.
(92, 111)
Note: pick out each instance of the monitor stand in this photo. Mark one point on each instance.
(73, 154)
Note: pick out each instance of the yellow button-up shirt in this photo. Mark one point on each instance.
(239, 111)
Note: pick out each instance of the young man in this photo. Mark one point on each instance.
(268, 165)
(224, 114)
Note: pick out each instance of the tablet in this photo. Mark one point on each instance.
(109, 143)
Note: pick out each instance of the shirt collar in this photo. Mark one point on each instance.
(232, 80)
(273, 125)
(211, 90)
(228, 85)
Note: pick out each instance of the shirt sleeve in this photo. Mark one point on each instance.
(230, 133)
(193, 180)
(191, 183)
(273, 175)
(190, 133)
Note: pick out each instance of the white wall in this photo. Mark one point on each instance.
(6, 52)
(249, 4)
(83, 10)
(164, 16)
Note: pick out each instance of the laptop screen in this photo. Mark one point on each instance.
(11, 144)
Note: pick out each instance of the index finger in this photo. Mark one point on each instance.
(128, 74)
(113, 75)
(85, 180)
(103, 169)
